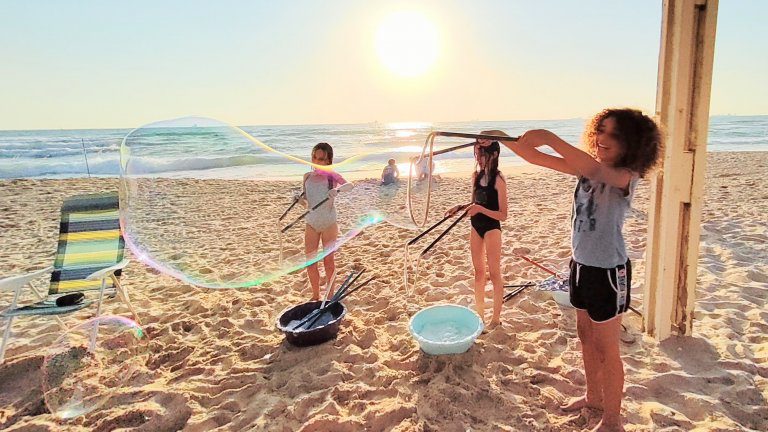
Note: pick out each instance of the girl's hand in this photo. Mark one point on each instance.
(452, 211)
(474, 209)
(535, 138)
(487, 142)
(332, 193)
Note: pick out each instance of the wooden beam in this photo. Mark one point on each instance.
(682, 108)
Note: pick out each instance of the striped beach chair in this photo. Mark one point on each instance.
(90, 257)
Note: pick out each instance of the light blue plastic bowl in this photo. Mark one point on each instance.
(464, 322)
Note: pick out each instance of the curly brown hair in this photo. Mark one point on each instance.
(639, 134)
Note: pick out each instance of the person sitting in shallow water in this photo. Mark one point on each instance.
(390, 174)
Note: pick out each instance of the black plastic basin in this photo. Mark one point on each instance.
(315, 335)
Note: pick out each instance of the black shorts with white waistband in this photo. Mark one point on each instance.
(603, 292)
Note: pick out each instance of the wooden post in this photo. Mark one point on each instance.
(682, 108)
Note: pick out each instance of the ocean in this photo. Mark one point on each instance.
(96, 152)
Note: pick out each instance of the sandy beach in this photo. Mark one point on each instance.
(215, 359)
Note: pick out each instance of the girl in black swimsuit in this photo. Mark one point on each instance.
(488, 209)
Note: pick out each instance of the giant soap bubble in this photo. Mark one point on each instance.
(208, 203)
(202, 200)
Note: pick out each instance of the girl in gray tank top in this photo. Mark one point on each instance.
(621, 145)
(321, 224)
(597, 220)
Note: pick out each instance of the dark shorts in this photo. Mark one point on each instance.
(603, 293)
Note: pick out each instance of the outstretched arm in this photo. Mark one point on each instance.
(572, 161)
(580, 161)
(533, 155)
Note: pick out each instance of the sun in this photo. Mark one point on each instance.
(407, 43)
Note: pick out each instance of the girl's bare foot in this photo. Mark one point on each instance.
(494, 323)
(577, 403)
(315, 298)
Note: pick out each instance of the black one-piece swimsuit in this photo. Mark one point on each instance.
(488, 197)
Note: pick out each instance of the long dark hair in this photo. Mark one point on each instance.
(640, 137)
(491, 152)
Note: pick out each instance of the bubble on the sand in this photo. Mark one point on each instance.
(208, 203)
(90, 363)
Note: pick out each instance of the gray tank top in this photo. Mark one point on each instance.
(597, 221)
(317, 187)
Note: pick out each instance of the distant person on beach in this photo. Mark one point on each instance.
(390, 174)
(321, 222)
(620, 146)
(487, 211)
(423, 168)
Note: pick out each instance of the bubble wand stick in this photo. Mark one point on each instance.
(450, 227)
(421, 219)
(343, 188)
(295, 201)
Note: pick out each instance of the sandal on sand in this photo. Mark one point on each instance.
(70, 299)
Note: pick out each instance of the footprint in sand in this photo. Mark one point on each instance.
(757, 276)
(172, 359)
(666, 418)
(22, 374)
(521, 251)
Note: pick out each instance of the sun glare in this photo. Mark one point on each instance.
(407, 43)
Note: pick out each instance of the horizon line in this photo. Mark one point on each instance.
(346, 124)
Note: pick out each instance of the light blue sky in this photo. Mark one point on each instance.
(77, 64)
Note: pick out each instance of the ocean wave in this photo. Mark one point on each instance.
(61, 167)
(59, 153)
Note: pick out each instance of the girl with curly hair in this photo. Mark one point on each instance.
(621, 146)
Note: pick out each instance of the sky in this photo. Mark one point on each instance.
(110, 64)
